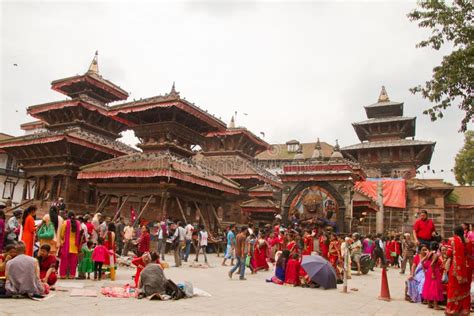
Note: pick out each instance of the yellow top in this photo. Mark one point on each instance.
(72, 238)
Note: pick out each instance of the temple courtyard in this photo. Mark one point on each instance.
(228, 297)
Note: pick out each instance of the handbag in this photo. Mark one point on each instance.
(46, 232)
(393, 254)
(247, 261)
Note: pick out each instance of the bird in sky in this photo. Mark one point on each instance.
(15, 65)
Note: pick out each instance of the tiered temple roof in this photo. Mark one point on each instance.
(384, 149)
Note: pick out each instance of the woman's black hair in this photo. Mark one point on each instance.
(72, 217)
(2, 214)
(100, 241)
(154, 256)
(27, 212)
(434, 246)
(459, 231)
(44, 247)
(283, 259)
(90, 243)
(53, 216)
(111, 227)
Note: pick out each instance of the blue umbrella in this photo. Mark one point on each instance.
(320, 271)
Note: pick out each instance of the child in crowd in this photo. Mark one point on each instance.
(10, 253)
(98, 256)
(47, 265)
(86, 265)
(433, 287)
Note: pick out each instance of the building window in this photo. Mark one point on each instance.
(430, 200)
(293, 147)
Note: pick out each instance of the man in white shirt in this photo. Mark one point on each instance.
(178, 242)
(202, 243)
(127, 238)
(188, 238)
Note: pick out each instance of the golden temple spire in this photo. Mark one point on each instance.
(94, 67)
(383, 95)
(232, 122)
(173, 88)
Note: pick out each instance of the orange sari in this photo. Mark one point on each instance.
(28, 235)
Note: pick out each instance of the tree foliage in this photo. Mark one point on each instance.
(453, 80)
(464, 167)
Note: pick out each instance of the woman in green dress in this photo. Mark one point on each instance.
(86, 265)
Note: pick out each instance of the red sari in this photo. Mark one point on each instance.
(334, 255)
(308, 245)
(292, 274)
(110, 245)
(459, 287)
(260, 255)
(323, 246)
(28, 235)
(292, 247)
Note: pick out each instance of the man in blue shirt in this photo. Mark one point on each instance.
(230, 250)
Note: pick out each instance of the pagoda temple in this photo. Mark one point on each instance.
(69, 134)
(386, 149)
(232, 153)
(193, 167)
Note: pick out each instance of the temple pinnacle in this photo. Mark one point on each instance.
(94, 66)
(383, 95)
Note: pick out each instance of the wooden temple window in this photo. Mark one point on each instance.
(8, 188)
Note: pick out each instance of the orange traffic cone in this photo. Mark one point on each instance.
(384, 291)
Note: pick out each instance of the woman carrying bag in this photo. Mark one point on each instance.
(46, 234)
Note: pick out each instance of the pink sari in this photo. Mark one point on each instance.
(68, 264)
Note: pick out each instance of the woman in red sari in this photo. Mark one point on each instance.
(323, 245)
(260, 254)
(28, 229)
(110, 260)
(308, 243)
(459, 285)
(334, 254)
(291, 246)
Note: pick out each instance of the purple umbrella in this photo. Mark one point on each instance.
(320, 271)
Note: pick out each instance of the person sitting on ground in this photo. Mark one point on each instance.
(152, 281)
(142, 262)
(22, 275)
(47, 265)
(10, 253)
(292, 272)
(280, 267)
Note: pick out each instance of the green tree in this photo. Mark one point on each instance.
(453, 80)
(464, 167)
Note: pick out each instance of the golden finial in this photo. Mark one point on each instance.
(94, 67)
(383, 95)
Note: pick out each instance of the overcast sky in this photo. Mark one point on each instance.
(299, 70)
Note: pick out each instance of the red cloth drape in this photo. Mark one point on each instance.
(393, 190)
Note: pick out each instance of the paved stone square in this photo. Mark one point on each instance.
(230, 297)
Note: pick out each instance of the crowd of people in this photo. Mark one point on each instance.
(439, 270)
(65, 246)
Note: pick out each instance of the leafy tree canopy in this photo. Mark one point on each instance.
(453, 80)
